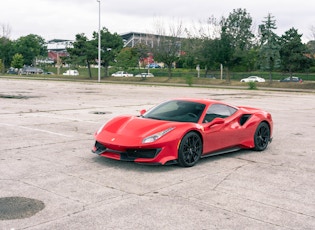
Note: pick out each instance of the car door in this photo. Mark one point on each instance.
(221, 128)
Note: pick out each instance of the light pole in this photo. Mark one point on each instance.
(99, 40)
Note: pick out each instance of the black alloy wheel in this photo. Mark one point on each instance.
(262, 136)
(190, 149)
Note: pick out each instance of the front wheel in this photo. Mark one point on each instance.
(190, 150)
(262, 136)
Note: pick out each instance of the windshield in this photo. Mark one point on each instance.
(177, 110)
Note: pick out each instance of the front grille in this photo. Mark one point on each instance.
(142, 153)
(129, 154)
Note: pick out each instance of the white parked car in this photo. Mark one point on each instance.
(253, 79)
(71, 72)
(144, 75)
(122, 74)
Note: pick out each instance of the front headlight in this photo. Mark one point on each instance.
(156, 136)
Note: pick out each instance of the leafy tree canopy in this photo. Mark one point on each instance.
(30, 47)
(6, 51)
(17, 61)
(126, 58)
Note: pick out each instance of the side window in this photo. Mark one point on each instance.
(218, 110)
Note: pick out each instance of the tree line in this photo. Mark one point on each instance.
(232, 43)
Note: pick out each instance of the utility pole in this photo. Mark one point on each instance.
(99, 40)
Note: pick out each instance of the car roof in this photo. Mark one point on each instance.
(202, 101)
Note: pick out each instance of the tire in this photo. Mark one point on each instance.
(262, 136)
(190, 150)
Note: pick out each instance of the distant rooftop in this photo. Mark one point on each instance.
(59, 44)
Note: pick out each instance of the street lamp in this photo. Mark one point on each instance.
(99, 40)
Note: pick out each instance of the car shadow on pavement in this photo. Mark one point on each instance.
(132, 166)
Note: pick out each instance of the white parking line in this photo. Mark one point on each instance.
(33, 129)
(61, 117)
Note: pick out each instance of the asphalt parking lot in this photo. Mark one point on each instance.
(45, 154)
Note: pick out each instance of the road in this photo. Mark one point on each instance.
(46, 138)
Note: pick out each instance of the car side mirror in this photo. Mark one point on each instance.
(143, 111)
(216, 121)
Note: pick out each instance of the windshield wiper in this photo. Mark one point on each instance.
(155, 118)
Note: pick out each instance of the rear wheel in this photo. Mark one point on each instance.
(190, 150)
(262, 136)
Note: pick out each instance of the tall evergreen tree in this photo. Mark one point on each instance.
(269, 56)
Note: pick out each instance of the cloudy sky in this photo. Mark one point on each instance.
(63, 19)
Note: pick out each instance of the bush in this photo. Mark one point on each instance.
(252, 85)
(312, 69)
(189, 80)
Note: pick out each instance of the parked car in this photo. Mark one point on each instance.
(293, 79)
(153, 66)
(144, 75)
(71, 72)
(253, 79)
(31, 70)
(49, 73)
(12, 70)
(122, 74)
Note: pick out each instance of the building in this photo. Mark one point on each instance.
(58, 48)
(131, 39)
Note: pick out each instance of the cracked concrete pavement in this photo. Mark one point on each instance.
(46, 139)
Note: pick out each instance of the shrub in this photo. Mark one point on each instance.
(189, 80)
(252, 85)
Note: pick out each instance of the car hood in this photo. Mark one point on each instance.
(136, 126)
(131, 130)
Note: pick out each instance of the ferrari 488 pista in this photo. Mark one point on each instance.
(183, 130)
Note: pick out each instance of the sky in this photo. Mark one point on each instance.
(63, 19)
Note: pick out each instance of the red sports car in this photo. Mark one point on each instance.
(182, 131)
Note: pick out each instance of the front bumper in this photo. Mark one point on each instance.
(128, 154)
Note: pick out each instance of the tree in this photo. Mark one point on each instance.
(6, 51)
(6, 30)
(191, 53)
(199, 48)
(167, 45)
(293, 52)
(126, 58)
(141, 51)
(111, 44)
(17, 61)
(311, 45)
(210, 52)
(312, 28)
(269, 56)
(226, 48)
(83, 52)
(1, 66)
(5, 46)
(238, 27)
(30, 47)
